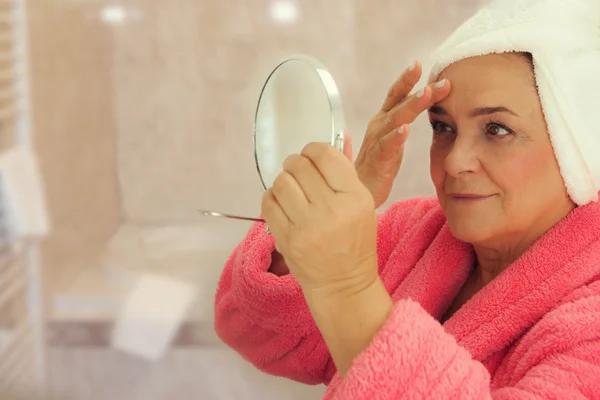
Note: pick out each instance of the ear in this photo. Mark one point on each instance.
(348, 145)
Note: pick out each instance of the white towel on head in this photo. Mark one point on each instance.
(564, 38)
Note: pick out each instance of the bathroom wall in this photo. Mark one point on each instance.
(189, 74)
(144, 108)
(72, 95)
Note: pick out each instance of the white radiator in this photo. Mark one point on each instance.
(22, 347)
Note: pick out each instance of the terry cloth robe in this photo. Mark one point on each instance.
(531, 333)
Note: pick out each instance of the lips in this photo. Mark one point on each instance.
(468, 196)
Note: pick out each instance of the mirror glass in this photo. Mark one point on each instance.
(299, 104)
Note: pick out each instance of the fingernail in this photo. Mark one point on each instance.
(420, 93)
(413, 66)
(440, 84)
(401, 130)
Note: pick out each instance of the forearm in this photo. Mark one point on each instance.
(348, 322)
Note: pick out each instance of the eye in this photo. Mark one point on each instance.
(498, 130)
(440, 127)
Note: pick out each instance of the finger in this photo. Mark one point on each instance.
(383, 160)
(402, 86)
(308, 177)
(390, 146)
(387, 154)
(336, 169)
(348, 146)
(273, 214)
(440, 90)
(408, 111)
(290, 196)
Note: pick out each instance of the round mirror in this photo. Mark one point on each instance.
(299, 104)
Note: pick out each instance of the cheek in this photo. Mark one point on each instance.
(437, 170)
(525, 172)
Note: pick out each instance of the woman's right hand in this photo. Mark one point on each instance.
(381, 152)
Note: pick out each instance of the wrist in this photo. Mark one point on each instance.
(330, 299)
(345, 287)
(348, 321)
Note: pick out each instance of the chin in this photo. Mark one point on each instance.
(470, 230)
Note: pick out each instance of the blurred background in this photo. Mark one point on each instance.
(139, 112)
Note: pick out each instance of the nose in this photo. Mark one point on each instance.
(462, 158)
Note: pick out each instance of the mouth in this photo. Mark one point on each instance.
(469, 196)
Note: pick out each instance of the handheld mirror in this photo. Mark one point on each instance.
(299, 104)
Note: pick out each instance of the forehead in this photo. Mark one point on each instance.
(492, 80)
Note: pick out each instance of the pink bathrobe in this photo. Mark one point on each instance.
(531, 333)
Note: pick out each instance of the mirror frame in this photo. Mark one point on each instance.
(338, 125)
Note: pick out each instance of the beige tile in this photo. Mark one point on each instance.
(189, 73)
(165, 102)
(71, 58)
(183, 252)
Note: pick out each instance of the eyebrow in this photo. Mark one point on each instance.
(476, 112)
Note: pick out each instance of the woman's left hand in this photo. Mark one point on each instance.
(324, 222)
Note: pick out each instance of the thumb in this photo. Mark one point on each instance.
(348, 146)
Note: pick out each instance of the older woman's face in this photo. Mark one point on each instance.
(492, 161)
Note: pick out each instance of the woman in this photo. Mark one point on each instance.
(491, 289)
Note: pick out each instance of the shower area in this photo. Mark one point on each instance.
(142, 113)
